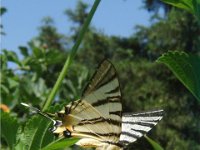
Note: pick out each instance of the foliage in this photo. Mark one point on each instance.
(9, 128)
(184, 4)
(169, 34)
(186, 68)
(33, 136)
(192, 6)
(145, 85)
(60, 144)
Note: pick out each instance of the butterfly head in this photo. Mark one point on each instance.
(59, 129)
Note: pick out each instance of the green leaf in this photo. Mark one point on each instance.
(60, 143)
(4, 89)
(33, 134)
(155, 145)
(38, 52)
(192, 6)
(9, 127)
(12, 83)
(196, 4)
(184, 4)
(23, 50)
(2, 10)
(12, 56)
(54, 57)
(186, 68)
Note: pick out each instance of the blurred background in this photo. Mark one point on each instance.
(37, 37)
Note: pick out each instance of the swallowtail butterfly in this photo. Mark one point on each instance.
(97, 118)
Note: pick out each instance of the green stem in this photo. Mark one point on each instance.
(71, 55)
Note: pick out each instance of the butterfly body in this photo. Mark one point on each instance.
(100, 145)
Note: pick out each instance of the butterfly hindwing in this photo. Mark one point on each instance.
(136, 125)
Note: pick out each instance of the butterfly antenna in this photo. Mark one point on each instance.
(36, 110)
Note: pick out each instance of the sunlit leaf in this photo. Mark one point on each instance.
(192, 6)
(9, 126)
(184, 4)
(37, 52)
(186, 68)
(61, 143)
(12, 56)
(34, 133)
(12, 83)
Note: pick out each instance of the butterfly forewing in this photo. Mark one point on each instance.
(86, 124)
(99, 110)
(103, 93)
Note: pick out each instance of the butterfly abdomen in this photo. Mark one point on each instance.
(99, 145)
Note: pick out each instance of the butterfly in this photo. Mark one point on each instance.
(97, 118)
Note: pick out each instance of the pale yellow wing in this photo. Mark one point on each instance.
(97, 114)
(103, 93)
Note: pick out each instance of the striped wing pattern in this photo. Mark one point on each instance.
(86, 120)
(97, 117)
(136, 125)
(98, 113)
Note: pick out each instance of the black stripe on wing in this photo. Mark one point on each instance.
(113, 99)
(143, 123)
(100, 77)
(116, 90)
(97, 134)
(73, 106)
(98, 120)
(146, 114)
(103, 93)
(117, 113)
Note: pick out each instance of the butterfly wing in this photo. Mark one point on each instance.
(136, 125)
(103, 93)
(98, 113)
(86, 121)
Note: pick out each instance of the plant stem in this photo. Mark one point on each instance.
(71, 55)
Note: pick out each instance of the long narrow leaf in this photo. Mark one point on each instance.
(72, 55)
(154, 144)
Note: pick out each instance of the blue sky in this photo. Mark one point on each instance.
(113, 17)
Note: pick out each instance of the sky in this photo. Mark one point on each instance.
(23, 18)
